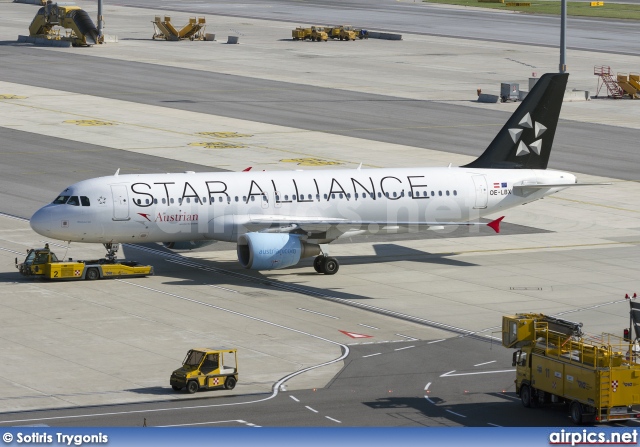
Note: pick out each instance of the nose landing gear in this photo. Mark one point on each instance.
(112, 249)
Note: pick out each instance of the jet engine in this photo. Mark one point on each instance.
(187, 245)
(270, 251)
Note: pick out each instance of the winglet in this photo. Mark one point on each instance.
(495, 224)
(117, 172)
(247, 169)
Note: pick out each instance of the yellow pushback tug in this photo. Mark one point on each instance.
(44, 263)
(555, 362)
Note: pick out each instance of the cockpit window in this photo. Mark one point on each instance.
(73, 200)
(85, 201)
(60, 200)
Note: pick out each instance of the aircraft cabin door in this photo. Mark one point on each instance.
(480, 183)
(120, 202)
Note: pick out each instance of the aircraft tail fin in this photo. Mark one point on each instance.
(526, 139)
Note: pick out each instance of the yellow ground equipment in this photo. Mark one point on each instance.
(301, 33)
(347, 33)
(205, 369)
(164, 29)
(555, 362)
(319, 34)
(81, 30)
(625, 84)
(43, 263)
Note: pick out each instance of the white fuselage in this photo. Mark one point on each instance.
(222, 205)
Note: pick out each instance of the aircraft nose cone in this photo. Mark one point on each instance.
(41, 221)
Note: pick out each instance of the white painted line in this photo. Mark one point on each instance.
(223, 288)
(427, 386)
(239, 421)
(457, 414)
(493, 425)
(436, 341)
(407, 337)
(12, 251)
(450, 373)
(406, 347)
(292, 397)
(371, 355)
(368, 343)
(334, 420)
(370, 327)
(517, 398)
(429, 400)
(311, 409)
(318, 313)
(485, 363)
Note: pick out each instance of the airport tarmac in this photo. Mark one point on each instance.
(116, 342)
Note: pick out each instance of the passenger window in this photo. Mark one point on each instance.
(433, 193)
(455, 193)
(146, 201)
(286, 197)
(440, 193)
(164, 201)
(253, 198)
(220, 199)
(411, 194)
(310, 197)
(394, 194)
(155, 201)
(172, 201)
(73, 200)
(85, 201)
(244, 198)
(379, 195)
(326, 197)
(317, 196)
(341, 196)
(236, 198)
(447, 192)
(333, 196)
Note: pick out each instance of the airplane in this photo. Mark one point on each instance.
(279, 217)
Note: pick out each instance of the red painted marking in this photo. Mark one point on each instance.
(354, 335)
(495, 224)
(247, 169)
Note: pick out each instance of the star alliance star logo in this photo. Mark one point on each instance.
(102, 200)
(538, 128)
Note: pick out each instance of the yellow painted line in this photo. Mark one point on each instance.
(12, 97)
(582, 202)
(311, 162)
(90, 123)
(217, 145)
(225, 134)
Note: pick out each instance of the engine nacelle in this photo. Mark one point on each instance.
(270, 251)
(187, 245)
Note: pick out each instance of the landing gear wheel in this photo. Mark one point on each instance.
(176, 388)
(330, 266)
(525, 396)
(192, 387)
(317, 263)
(230, 383)
(576, 412)
(92, 274)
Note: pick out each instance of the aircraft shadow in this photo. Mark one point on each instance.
(507, 412)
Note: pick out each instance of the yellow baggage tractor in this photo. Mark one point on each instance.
(204, 368)
(43, 263)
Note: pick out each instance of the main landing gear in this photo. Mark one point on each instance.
(326, 264)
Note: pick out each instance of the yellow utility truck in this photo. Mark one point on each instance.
(204, 368)
(43, 263)
(301, 33)
(50, 18)
(556, 363)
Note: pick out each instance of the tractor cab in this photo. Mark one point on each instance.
(206, 369)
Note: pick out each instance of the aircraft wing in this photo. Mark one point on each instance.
(287, 224)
